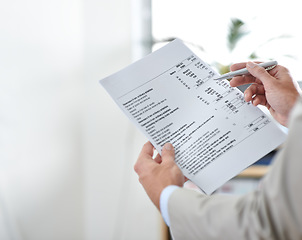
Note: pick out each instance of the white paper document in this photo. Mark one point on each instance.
(171, 96)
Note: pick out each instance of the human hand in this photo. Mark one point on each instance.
(157, 173)
(274, 89)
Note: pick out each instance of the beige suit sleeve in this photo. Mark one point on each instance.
(272, 212)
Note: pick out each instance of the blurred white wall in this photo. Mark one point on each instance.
(66, 150)
(40, 96)
(116, 206)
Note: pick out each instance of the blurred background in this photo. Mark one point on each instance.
(66, 150)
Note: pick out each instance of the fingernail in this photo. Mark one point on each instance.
(245, 96)
(251, 64)
(168, 146)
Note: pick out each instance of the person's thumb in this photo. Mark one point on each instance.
(167, 153)
(259, 72)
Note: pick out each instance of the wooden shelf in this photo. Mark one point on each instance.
(255, 171)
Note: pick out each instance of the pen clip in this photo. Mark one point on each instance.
(270, 68)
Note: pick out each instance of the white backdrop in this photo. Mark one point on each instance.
(66, 150)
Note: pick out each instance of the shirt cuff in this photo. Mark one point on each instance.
(164, 198)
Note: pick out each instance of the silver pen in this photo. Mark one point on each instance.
(266, 65)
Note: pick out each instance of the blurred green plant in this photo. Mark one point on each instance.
(237, 31)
